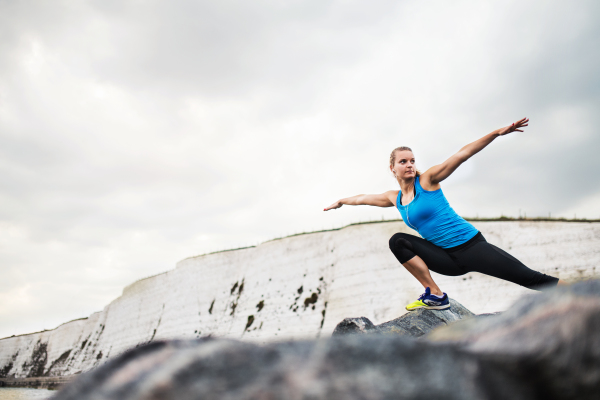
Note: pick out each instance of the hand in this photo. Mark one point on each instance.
(514, 127)
(335, 205)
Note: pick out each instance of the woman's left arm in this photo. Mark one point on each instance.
(434, 175)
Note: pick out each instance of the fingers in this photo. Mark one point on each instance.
(333, 206)
(522, 123)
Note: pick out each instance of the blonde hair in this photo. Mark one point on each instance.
(393, 157)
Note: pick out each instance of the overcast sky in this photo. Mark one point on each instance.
(134, 134)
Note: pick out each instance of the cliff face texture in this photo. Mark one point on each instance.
(296, 287)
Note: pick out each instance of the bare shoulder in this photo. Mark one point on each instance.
(392, 195)
(426, 181)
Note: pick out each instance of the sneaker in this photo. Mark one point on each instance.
(426, 300)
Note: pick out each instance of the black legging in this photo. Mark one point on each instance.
(475, 255)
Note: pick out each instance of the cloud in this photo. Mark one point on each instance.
(133, 135)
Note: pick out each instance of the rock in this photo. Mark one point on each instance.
(415, 323)
(360, 325)
(554, 337)
(546, 346)
(352, 367)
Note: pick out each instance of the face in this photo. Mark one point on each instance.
(404, 165)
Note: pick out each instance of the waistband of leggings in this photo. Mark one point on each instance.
(478, 237)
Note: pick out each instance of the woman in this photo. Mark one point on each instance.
(450, 245)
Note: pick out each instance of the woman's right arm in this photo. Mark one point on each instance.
(387, 199)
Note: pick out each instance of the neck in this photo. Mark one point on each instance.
(407, 185)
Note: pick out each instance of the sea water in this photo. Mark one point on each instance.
(25, 394)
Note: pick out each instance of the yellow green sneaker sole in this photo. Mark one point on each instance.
(419, 304)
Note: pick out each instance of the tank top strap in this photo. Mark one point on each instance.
(418, 186)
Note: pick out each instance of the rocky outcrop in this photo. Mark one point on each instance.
(553, 338)
(415, 324)
(546, 346)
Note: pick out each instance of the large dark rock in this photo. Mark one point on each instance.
(415, 323)
(552, 337)
(348, 368)
(546, 347)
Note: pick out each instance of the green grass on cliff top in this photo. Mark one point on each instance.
(477, 219)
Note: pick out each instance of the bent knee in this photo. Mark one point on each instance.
(393, 240)
(399, 241)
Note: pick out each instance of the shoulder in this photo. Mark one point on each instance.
(392, 195)
(424, 181)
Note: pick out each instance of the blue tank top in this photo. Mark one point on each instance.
(430, 214)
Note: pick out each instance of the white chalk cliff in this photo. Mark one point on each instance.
(296, 287)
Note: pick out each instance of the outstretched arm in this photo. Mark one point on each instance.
(434, 175)
(387, 199)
